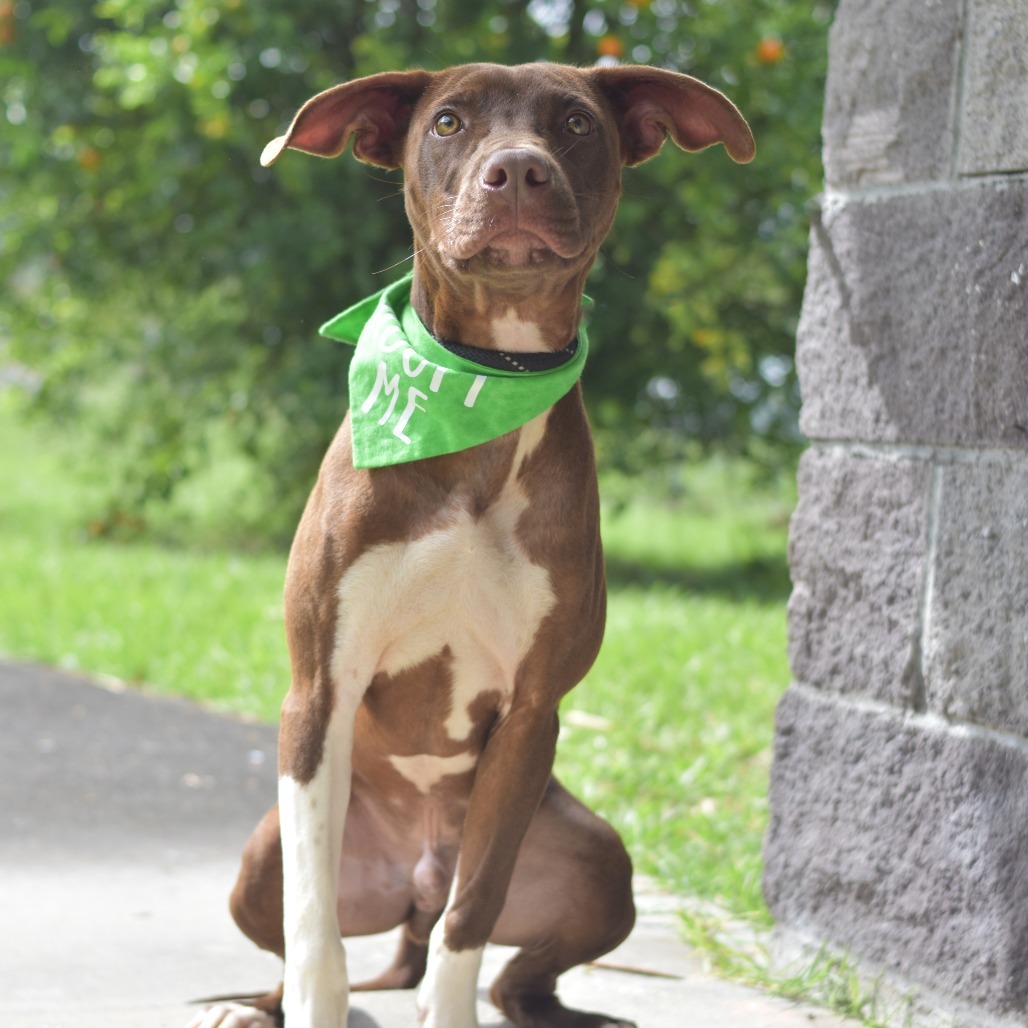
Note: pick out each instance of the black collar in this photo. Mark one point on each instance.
(499, 360)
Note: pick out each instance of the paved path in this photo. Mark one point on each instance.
(122, 816)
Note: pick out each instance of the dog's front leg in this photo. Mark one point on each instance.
(509, 783)
(315, 750)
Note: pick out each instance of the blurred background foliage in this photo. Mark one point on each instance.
(162, 291)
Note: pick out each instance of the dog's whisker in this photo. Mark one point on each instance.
(399, 263)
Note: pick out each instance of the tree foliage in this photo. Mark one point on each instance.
(167, 289)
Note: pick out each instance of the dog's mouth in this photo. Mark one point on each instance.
(535, 230)
(519, 248)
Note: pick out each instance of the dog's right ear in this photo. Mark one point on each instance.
(376, 110)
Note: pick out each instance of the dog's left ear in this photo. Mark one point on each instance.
(375, 110)
(650, 102)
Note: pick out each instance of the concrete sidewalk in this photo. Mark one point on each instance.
(123, 817)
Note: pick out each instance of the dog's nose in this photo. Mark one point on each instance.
(512, 169)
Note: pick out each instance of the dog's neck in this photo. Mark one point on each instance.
(513, 310)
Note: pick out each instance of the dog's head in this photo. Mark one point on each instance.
(514, 172)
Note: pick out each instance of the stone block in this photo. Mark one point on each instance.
(856, 554)
(892, 76)
(976, 644)
(994, 119)
(915, 319)
(905, 843)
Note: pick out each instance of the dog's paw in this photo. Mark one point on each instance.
(447, 997)
(232, 1015)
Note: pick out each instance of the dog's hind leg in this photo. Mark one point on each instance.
(408, 966)
(256, 907)
(570, 901)
(256, 900)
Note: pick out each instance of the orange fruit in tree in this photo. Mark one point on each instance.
(610, 46)
(89, 158)
(770, 50)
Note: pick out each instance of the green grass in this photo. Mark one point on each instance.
(669, 736)
(693, 663)
(205, 624)
(827, 978)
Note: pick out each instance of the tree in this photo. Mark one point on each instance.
(167, 289)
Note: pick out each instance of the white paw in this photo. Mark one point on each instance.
(231, 1015)
(448, 993)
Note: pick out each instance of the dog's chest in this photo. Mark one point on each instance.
(465, 593)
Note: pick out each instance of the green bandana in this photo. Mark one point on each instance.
(413, 397)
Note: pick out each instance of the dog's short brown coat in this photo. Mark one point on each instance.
(438, 611)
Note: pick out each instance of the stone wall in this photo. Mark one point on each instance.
(899, 797)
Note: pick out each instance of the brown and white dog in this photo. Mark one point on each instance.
(438, 610)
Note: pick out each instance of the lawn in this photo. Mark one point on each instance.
(669, 736)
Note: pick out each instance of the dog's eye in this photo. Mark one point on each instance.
(447, 124)
(580, 124)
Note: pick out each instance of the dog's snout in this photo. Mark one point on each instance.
(515, 168)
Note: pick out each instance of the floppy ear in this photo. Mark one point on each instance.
(376, 110)
(650, 102)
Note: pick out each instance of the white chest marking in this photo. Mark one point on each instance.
(468, 586)
(426, 771)
(513, 335)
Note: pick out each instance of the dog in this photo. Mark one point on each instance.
(442, 596)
